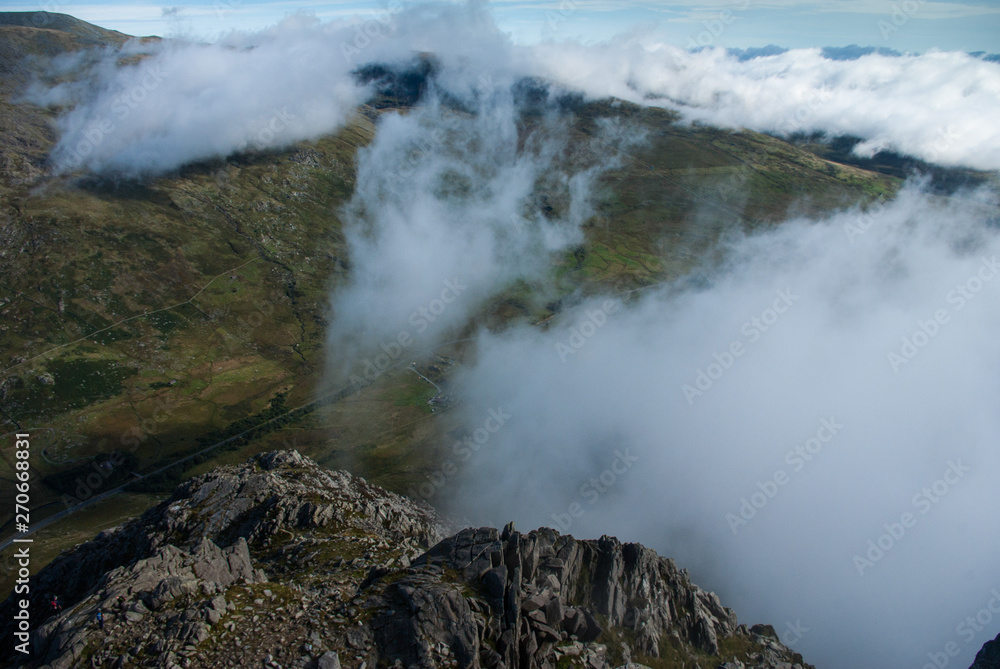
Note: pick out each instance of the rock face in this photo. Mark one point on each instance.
(280, 563)
(989, 656)
(515, 600)
(147, 586)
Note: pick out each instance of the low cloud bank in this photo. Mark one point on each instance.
(937, 106)
(812, 433)
(184, 102)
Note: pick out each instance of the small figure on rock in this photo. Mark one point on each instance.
(120, 606)
(56, 606)
(100, 618)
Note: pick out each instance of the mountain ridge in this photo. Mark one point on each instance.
(279, 548)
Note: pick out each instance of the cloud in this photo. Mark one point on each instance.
(185, 102)
(928, 9)
(783, 411)
(180, 102)
(451, 208)
(936, 107)
(177, 102)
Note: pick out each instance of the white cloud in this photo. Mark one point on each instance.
(187, 102)
(926, 9)
(937, 107)
(814, 362)
(446, 214)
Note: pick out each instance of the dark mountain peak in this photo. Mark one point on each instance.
(989, 655)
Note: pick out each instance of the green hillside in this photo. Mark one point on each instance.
(159, 319)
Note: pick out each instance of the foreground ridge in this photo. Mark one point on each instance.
(280, 563)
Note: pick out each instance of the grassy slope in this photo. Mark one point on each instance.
(165, 310)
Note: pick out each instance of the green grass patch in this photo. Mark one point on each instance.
(165, 321)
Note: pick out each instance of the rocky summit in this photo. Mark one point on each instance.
(280, 563)
(989, 656)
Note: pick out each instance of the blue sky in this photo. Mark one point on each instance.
(905, 25)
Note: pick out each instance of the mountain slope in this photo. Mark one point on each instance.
(28, 42)
(149, 321)
(83, 33)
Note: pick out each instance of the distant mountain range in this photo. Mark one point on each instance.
(849, 52)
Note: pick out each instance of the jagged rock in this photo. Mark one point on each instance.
(495, 581)
(989, 655)
(629, 586)
(329, 660)
(356, 572)
(194, 632)
(167, 575)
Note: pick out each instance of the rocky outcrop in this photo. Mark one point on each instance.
(272, 494)
(989, 656)
(147, 586)
(482, 598)
(280, 563)
(262, 502)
